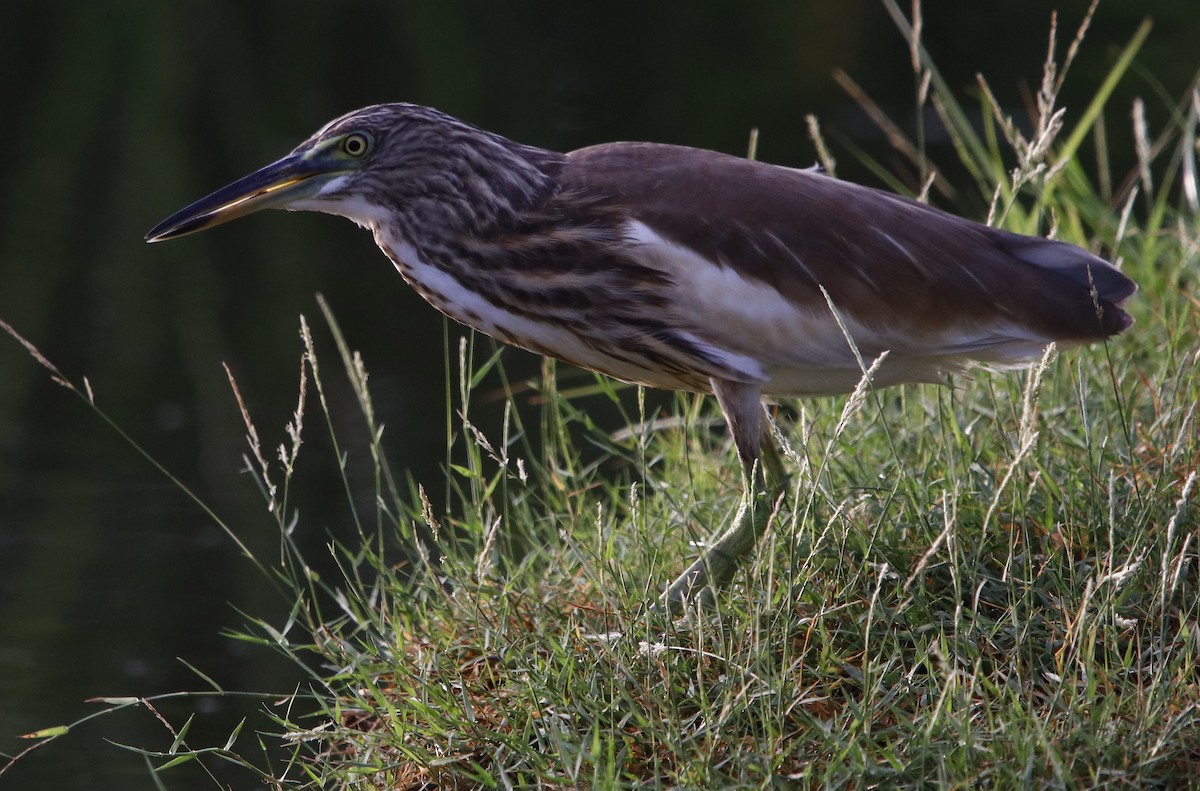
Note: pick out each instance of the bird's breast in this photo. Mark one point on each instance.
(578, 335)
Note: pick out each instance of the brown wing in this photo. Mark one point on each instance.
(884, 260)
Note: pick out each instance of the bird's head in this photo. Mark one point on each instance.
(370, 165)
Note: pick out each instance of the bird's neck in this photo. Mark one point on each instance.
(500, 180)
(483, 193)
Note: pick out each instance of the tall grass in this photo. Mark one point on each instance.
(993, 582)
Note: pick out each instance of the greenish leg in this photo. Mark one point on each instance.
(716, 567)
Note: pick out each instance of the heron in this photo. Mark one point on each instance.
(686, 269)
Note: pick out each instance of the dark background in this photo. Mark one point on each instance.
(117, 113)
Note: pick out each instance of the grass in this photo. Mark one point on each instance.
(989, 583)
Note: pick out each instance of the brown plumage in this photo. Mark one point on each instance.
(683, 268)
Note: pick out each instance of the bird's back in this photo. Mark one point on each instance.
(758, 254)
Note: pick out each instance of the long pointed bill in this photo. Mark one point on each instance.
(291, 178)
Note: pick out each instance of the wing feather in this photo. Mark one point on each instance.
(906, 273)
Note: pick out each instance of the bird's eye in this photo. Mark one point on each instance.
(355, 144)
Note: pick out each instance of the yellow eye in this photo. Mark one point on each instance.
(355, 144)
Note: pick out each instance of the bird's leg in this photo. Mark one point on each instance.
(742, 404)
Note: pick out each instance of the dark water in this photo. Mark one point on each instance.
(116, 114)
